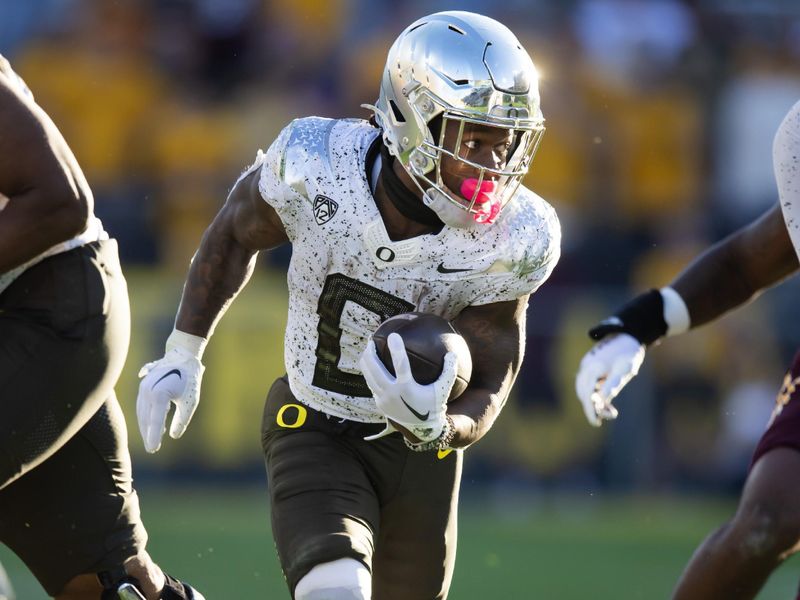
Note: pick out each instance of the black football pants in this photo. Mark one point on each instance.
(67, 505)
(334, 495)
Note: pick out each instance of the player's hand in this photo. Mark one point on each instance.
(420, 409)
(604, 371)
(174, 379)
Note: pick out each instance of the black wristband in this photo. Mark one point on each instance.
(642, 317)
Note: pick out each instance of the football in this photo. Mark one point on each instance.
(427, 338)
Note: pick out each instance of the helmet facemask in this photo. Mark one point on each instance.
(455, 173)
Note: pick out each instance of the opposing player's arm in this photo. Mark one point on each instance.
(495, 334)
(48, 198)
(226, 257)
(737, 268)
(723, 277)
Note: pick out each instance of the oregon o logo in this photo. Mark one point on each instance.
(385, 254)
(302, 413)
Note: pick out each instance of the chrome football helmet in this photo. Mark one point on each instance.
(468, 69)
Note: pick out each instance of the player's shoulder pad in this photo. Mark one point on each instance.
(317, 138)
(788, 132)
(309, 136)
(307, 148)
(295, 146)
(533, 233)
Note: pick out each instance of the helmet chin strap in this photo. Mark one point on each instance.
(404, 200)
(448, 212)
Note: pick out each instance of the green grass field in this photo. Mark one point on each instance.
(550, 548)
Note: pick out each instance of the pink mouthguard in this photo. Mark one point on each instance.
(486, 203)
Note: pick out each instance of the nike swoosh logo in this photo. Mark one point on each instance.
(442, 453)
(419, 415)
(442, 269)
(165, 375)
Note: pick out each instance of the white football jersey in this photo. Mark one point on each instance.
(93, 232)
(346, 276)
(785, 153)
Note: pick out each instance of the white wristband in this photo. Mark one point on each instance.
(194, 344)
(676, 314)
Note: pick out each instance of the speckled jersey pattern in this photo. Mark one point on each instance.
(346, 276)
(785, 152)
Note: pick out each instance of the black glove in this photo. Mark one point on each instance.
(642, 318)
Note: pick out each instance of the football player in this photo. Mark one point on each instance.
(67, 505)
(420, 209)
(735, 560)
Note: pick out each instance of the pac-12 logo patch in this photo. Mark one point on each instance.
(324, 209)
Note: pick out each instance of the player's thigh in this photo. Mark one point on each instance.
(769, 512)
(45, 394)
(64, 330)
(416, 548)
(769, 500)
(323, 506)
(77, 512)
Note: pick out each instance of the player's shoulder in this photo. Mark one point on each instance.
(309, 160)
(319, 147)
(530, 218)
(527, 237)
(321, 136)
(789, 127)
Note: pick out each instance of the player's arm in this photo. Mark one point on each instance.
(722, 278)
(48, 198)
(226, 257)
(736, 269)
(220, 269)
(495, 334)
(725, 276)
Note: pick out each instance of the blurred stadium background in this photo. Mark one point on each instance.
(660, 117)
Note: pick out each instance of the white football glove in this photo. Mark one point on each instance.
(175, 378)
(421, 409)
(604, 371)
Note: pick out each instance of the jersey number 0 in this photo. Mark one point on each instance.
(337, 291)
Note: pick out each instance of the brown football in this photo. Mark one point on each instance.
(427, 338)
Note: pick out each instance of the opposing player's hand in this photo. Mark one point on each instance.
(604, 371)
(418, 408)
(174, 379)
